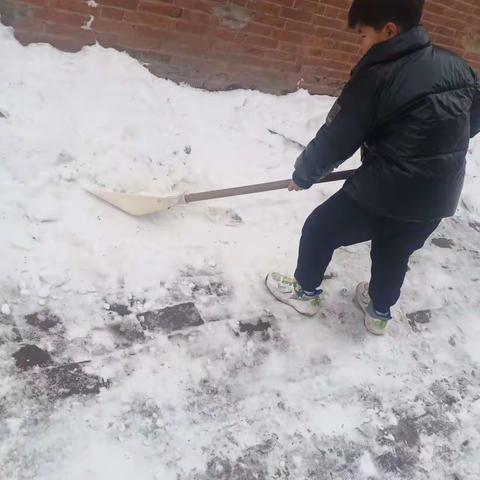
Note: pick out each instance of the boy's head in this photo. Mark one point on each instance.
(380, 20)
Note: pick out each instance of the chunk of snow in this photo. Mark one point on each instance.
(367, 468)
(6, 309)
(44, 291)
(88, 23)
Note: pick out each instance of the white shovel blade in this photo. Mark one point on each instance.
(137, 204)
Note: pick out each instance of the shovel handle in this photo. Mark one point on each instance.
(257, 188)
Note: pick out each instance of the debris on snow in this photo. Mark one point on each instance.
(224, 216)
(44, 320)
(66, 380)
(443, 242)
(30, 356)
(172, 318)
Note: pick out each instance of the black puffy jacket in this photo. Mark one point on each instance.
(413, 108)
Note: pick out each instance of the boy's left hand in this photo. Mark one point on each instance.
(293, 186)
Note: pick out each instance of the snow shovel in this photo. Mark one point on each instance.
(144, 204)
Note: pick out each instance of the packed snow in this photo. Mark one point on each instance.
(255, 391)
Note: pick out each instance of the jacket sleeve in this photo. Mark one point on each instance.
(475, 112)
(347, 126)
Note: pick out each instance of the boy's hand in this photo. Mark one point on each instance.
(293, 186)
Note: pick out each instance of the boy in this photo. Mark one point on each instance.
(412, 108)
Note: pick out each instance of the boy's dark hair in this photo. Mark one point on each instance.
(377, 13)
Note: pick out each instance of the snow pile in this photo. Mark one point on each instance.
(312, 398)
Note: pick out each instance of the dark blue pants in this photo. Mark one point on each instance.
(341, 222)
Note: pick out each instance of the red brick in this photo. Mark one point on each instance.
(285, 3)
(107, 39)
(29, 25)
(120, 28)
(259, 29)
(249, 50)
(328, 74)
(186, 38)
(206, 6)
(160, 8)
(271, 20)
(442, 39)
(435, 8)
(345, 47)
(320, 88)
(288, 47)
(346, 36)
(60, 17)
(281, 55)
(334, 12)
(281, 65)
(68, 31)
(318, 41)
(177, 49)
(443, 30)
(240, 3)
(258, 41)
(299, 27)
(310, 6)
(429, 26)
(325, 63)
(112, 13)
(27, 37)
(472, 57)
(68, 43)
(199, 65)
(263, 7)
(455, 24)
(225, 34)
(240, 58)
(346, 57)
(294, 14)
(71, 5)
(191, 27)
(457, 14)
(344, 4)
(222, 46)
(147, 37)
(36, 3)
(198, 17)
(149, 56)
(314, 52)
(127, 4)
(149, 19)
(289, 36)
(333, 23)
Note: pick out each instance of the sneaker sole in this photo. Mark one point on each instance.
(280, 299)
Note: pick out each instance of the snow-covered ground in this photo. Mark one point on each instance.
(299, 398)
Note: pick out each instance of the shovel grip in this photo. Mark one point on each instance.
(257, 188)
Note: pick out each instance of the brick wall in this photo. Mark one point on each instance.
(272, 45)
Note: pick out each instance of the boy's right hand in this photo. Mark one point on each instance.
(292, 186)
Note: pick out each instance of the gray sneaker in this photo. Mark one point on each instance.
(287, 290)
(374, 323)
